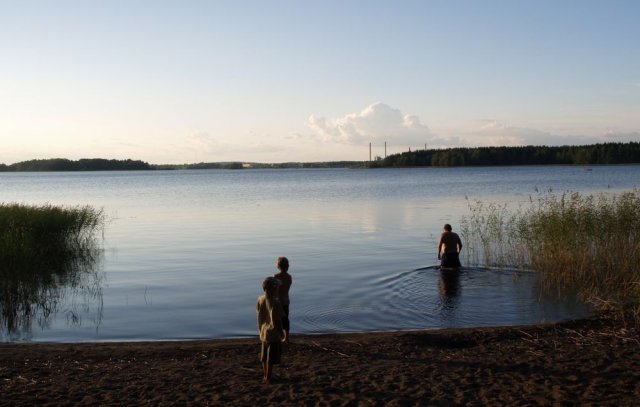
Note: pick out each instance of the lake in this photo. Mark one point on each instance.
(184, 252)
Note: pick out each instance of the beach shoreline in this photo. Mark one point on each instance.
(589, 361)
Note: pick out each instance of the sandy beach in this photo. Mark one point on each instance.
(585, 362)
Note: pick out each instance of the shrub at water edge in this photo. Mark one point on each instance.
(587, 242)
(28, 230)
(44, 249)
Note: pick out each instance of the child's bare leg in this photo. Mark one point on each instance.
(265, 372)
(269, 369)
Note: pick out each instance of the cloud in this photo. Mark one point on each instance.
(202, 141)
(202, 146)
(376, 123)
(494, 133)
(623, 137)
(379, 123)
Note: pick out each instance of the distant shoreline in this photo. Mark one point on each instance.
(303, 166)
(592, 155)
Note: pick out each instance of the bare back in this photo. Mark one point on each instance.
(449, 243)
(283, 291)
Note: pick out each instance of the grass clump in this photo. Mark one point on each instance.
(586, 242)
(43, 251)
(35, 231)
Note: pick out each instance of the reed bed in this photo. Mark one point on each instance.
(590, 243)
(44, 250)
(27, 230)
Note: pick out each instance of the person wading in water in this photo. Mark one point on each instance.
(449, 248)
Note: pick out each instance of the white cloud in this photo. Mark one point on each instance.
(376, 123)
(202, 142)
(201, 146)
(379, 123)
(494, 133)
(623, 137)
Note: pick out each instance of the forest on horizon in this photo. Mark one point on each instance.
(595, 154)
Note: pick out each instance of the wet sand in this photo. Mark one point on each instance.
(585, 362)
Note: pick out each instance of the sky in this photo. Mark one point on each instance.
(171, 82)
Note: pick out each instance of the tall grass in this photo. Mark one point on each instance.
(586, 242)
(44, 249)
(27, 230)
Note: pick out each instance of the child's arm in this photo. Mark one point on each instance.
(258, 314)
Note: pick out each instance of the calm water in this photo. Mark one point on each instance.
(185, 251)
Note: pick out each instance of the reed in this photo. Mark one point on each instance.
(44, 250)
(587, 242)
(28, 231)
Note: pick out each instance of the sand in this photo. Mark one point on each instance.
(586, 362)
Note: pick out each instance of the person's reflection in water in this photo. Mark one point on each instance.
(449, 289)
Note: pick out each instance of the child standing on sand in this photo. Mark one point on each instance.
(282, 263)
(270, 314)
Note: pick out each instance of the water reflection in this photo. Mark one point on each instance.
(449, 287)
(449, 294)
(33, 291)
(357, 237)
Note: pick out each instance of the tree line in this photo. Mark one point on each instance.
(100, 164)
(253, 165)
(606, 153)
(84, 164)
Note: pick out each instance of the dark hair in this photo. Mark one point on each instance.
(447, 227)
(282, 263)
(270, 283)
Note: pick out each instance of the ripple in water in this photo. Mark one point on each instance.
(428, 298)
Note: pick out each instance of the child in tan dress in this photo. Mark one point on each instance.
(270, 314)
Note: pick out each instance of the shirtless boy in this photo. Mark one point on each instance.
(282, 263)
(449, 248)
